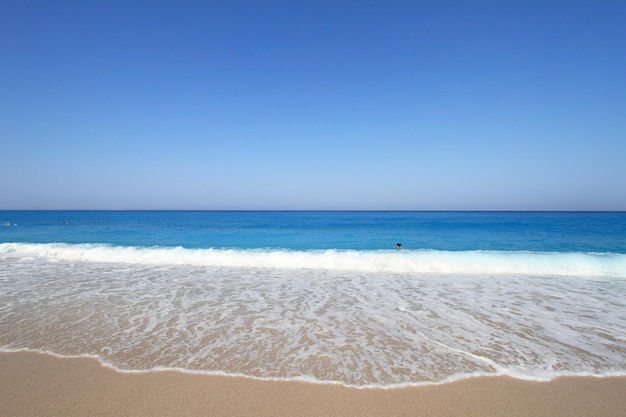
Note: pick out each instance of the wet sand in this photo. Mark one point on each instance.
(34, 384)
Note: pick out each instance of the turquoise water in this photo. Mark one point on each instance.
(305, 230)
(320, 296)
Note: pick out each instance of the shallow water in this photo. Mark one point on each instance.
(320, 296)
(354, 327)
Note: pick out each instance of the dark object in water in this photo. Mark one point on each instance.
(398, 245)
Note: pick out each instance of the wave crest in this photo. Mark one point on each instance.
(400, 261)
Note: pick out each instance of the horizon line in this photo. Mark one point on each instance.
(336, 210)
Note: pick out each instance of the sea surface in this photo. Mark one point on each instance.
(320, 296)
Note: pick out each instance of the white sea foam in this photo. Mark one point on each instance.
(399, 261)
(263, 315)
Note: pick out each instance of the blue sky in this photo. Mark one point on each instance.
(438, 105)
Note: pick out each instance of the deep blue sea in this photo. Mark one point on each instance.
(324, 296)
(307, 230)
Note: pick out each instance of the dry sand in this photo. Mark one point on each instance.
(33, 384)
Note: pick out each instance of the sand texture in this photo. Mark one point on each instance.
(33, 384)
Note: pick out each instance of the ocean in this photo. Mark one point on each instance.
(320, 296)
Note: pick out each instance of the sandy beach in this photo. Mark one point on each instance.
(34, 384)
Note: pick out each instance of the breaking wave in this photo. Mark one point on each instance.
(397, 261)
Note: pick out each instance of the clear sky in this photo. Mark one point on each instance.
(418, 105)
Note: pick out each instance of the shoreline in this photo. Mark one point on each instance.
(40, 384)
(302, 380)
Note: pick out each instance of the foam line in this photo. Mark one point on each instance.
(400, 261)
